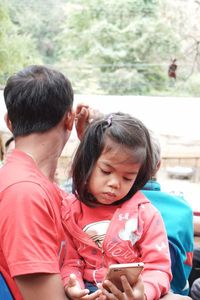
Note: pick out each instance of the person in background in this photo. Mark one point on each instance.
(172, 69)
(196, 220)
(108, 220)
(178, 218)
(195, 289)
(40, 116)
(194, 278)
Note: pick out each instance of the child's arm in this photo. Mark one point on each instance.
(71, 272)
(73, 264)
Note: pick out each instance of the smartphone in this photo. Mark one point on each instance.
(130, 270)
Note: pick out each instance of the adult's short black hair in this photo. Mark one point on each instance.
(124, 130)
(37, 98)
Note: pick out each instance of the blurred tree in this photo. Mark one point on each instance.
(121, 46)
(41, 20)
(16, 50)
(107, 46)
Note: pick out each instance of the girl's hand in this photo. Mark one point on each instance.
(130, 293)
(74, 291)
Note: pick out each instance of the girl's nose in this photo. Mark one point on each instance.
(114, 182)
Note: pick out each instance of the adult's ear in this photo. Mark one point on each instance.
(8, 122)
(69, 120)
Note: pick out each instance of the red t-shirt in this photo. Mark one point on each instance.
(31, 233)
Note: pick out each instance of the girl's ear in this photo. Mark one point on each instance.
(8, 122)
(69, 121)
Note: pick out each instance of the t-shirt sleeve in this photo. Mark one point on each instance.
(29, 236)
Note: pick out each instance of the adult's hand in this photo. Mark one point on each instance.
(81, 119)
(84, 115)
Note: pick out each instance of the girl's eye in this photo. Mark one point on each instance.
(128, 179)
(105, 172)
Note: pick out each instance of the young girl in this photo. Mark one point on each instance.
(108, 220)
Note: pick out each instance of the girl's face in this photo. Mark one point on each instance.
(113, 174)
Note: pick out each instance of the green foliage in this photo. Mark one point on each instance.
(41, 21)
(107, 46)
(122, 43)
(16, 50)
(189, 87)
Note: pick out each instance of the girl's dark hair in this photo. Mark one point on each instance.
(37, 99)
(122, 129)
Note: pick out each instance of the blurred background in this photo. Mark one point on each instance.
(136, 56)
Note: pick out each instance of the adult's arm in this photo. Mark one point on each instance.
(41, 287)
(30, 241)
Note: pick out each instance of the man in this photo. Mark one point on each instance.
(195, 289)
(40, 116)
